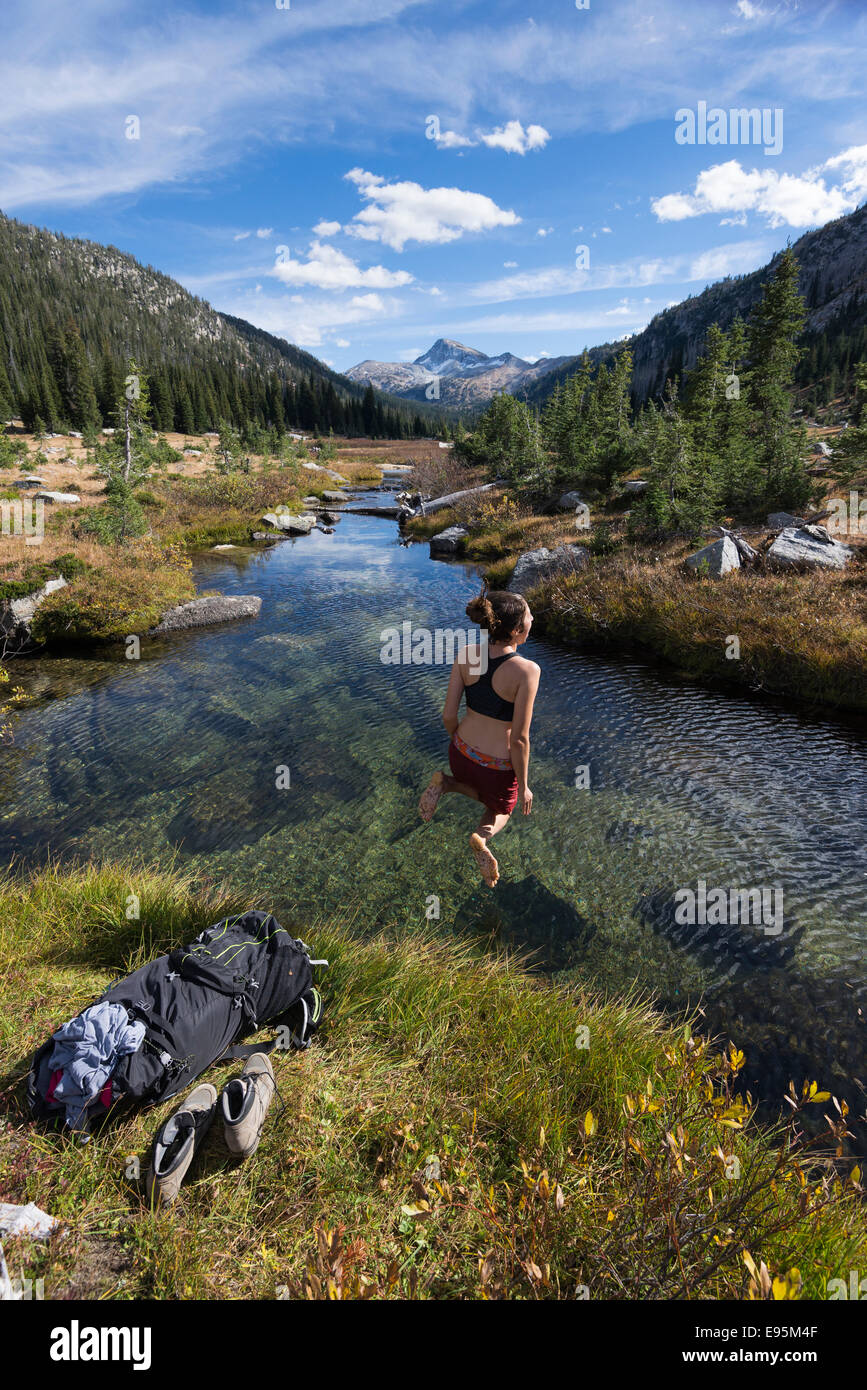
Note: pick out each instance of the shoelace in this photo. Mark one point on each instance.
(269, 1076)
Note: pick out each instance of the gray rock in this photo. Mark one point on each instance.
(330, 518)
(29, 481)
(449, 542)
(569, 501)
(716, 559)
(336, 496)
(265, 536)
(536, 565)
(16, 615)
(57, 496)
(778, 521)
(311, 502)
(635, 485)
(215, 608)
(224, 547)
(824, 449)
(808, 547)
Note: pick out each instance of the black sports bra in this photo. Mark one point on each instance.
(482, 698)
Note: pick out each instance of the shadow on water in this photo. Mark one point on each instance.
(529, 918)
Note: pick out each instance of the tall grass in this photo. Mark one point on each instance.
(458, 1130)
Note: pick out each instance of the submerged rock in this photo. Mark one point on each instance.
(716, 559)
(449, 542)
(808, 547)
(214, 608)
(535, 565)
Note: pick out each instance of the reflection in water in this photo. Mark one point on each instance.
(180, 754)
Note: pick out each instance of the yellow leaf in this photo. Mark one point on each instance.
(590, 1125)
(418, 1209)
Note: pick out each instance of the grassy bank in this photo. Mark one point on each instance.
(454, 1132)
(799, 635)
(117, 589)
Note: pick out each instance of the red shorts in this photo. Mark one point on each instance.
(497, 787)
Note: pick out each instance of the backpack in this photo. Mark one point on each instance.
(195, 1003)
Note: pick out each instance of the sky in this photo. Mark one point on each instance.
(363, 177)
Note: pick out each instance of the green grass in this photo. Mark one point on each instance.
(446, 1136)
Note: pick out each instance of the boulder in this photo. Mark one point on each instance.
(69, 497)
(716, 559)
(336, 496)
(224, 547)
(16, 615)
(330, 518)
(214, 608)
(570, 501)
(635, 485)
(535, 565)
(449, 542)
(778, 521)
(820, 447)
(29, 481)
(265, 536)
(808, 547)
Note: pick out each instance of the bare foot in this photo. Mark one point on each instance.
(488, 865)
(430, 796)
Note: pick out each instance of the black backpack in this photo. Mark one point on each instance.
(195, 1003)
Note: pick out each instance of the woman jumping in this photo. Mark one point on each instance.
(489, 754)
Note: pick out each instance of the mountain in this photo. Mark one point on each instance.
(833, 281)
(457, 376)
(73, 312)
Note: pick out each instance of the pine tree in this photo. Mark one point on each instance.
(773, 329)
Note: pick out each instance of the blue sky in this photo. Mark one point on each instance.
(364, 176)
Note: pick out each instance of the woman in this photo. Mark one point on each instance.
(490, 750)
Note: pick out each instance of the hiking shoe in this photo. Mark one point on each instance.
(176, 1142)
(245, 1103)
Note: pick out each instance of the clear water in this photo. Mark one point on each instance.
(178, 755)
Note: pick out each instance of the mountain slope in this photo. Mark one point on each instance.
(459, 377)
(203, 365)
(833, 280)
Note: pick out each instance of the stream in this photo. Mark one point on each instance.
(645, 784)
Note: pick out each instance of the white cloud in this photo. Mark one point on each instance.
(327, 268)
(312, 321)
(264, 232)
(544, 231)
(510, 265)
(343, 343)
(326, 228)
(514, 139)
(783, 199)
(451, 140)
(733, 258)
(397, 213)
(241, 236)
